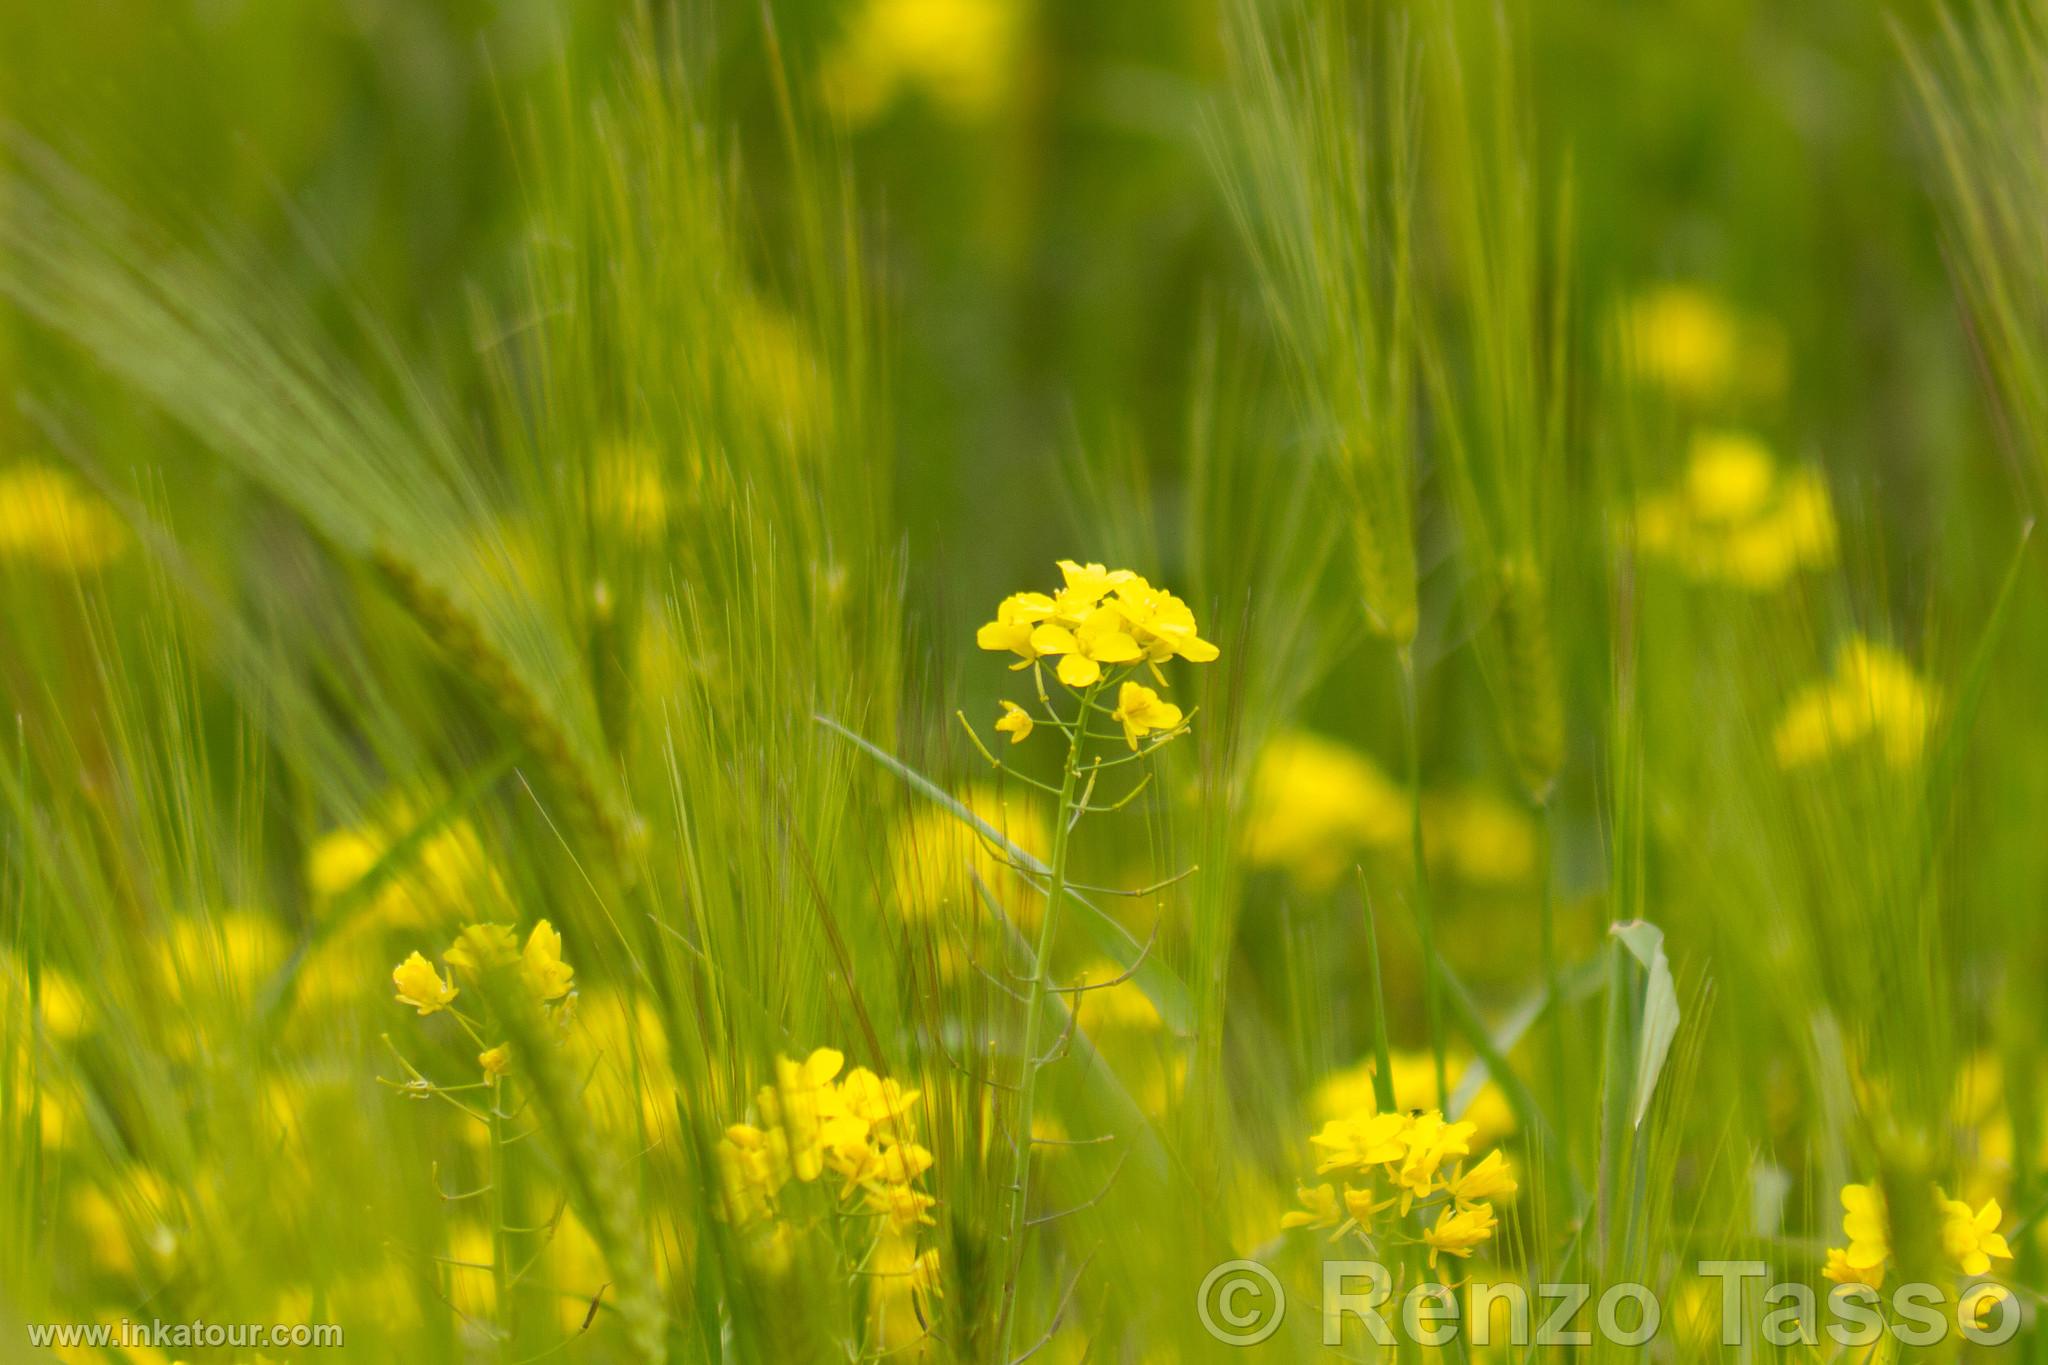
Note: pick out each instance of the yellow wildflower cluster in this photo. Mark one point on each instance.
(48, 520)
(1101, 617)
(1099, 627)
(1317, 805)
(477, 949)
(1874, 695)
(1396, 1165)
(1736, 518)
(1969, 1237)
(860, 1129)
(959, 54)
(1691, 344)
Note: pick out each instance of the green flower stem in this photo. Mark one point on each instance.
(1425, 919)
(1034, 1008)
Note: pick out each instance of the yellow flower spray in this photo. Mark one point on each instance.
(1100, 630)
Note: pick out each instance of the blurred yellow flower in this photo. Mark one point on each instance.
(420, 986)
(1319, 1208)
(48, 520)
(496, 1061)
(1971, 1239)
(1873, 695)
(1691, 344)
(935, 859)
(1736, 519)
(962, 55)
(545, 970)
(1479, 836)
(629, 491)
(1315, 805)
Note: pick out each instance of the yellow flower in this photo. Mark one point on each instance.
(1360, 1141)
(1428, 1142)
(1142, 712)
(545, 969)
(1101, 638)
(904, 1207)
(753, 1166)
(1162, 624)
(1016, 722)
(1735, 519)
(1865, 1225)
(1840, 1271)
(1972, 1239)
(1692, 345)
(799, 1088)
(1489, 1179)
(1319, 1208)
(1316, 804)
(875, 1100)
(1459, 1232)
(46, 519)
(420, 986)
(496, 1061)
(1016, 617)
(1984, 1301)
(480, 947)
(959, 54)
(1873, 696)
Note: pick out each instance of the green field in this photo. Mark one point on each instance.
(980, 680)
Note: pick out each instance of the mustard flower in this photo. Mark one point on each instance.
(1458, 1232)
(1486, 1180)
(1319, 1208)
(1360, 1141)
(480, 947)
(1865, 1224)
(1972, 1239)
(545, 970)
(496, 1061)
(420, 986)
(1016, 722)
(1141, 711)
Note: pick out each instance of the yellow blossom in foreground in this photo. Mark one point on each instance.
(1971, 1239)
(420, 986)
(47, 519)
(1141, 712)
(496, 1061)
(1016, 722)
(1874, 695)
(1100, 619)
(1736, 519)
